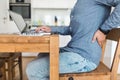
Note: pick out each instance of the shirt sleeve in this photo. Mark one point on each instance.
(113, 20)
(63, 30)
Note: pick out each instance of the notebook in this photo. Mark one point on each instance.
(22, 26)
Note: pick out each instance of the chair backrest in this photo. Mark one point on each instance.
(114, 35)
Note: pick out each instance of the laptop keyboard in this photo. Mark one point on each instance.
(33, 33)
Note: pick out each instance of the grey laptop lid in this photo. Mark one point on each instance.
(19, 21)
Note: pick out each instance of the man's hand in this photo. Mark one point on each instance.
(99, 36)
(43, 28)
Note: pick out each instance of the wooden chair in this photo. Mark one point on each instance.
(102, 72)
(2, 70)
(12, 60)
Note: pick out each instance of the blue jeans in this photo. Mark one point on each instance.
(69, 62)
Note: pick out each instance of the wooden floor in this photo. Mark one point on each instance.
(26, 60)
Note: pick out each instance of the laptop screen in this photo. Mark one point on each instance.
(19, 21)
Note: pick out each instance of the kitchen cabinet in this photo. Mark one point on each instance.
(52, 3)
(44, 12)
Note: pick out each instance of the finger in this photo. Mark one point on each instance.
(43, 29)
(40, 29)
(37, 30)
(100, 43)
(94, 38)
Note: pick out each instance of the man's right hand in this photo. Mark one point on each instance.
(100, 37)
(43, 28)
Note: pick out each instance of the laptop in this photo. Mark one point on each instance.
(22, 26)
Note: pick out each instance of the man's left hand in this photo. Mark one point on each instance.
(99, 36)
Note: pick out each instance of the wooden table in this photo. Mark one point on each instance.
(48, 43)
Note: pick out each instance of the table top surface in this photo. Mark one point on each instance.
(18, 38)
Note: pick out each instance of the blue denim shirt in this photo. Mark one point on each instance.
(86, 17)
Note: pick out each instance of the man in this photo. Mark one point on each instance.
(90, 22)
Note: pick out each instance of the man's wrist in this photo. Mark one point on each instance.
(104, 31)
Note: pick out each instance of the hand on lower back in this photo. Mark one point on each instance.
(99, 36)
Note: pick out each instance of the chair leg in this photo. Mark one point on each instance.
(10, 70)
(20, 66)
(13, 69)
(3, 73)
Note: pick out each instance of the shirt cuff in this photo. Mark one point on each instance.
(105, 29)
(53, 29)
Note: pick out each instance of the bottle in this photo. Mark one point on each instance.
(39, 22)
(56, 21)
